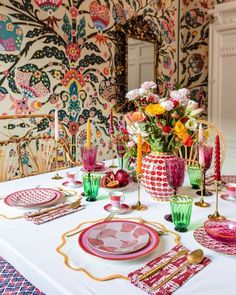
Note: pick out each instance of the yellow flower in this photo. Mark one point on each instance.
(180, 130)
(155, 109)
(206, 134)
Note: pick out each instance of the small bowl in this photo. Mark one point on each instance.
(222, 230)
(99, 165)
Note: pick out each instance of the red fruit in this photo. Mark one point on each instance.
(110, 175)
(123, 177)
(113, 184)
(104, 181)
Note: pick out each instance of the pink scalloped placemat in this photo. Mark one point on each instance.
(206, 241)
(171, 286)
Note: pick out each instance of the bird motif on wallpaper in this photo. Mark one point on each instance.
(11, 35)
(49, 6)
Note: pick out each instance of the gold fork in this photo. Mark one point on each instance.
(108, 218)
(158, 229)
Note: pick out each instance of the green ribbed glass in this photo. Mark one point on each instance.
(91, 184)
(194, 174)
(181, 210)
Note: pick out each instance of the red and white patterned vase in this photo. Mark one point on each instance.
(154, 179)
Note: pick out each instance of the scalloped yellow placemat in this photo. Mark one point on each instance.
(66, 259)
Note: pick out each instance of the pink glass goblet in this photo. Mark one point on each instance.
(89, 155)
(175, 171)
(208, 152)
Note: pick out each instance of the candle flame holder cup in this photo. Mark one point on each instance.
(139, 206)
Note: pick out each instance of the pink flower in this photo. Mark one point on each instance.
(149, 85)
(133, 94)
(168, 105)
(131, 144)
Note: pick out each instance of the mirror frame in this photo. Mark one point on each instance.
(136, 28)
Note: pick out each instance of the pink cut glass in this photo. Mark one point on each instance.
(175, 170)
(221, 230)
(89, 157)
(208, 152)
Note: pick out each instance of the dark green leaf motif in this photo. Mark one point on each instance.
(8, 57)
(37, 32)
(81, 28)
(92, 46)
(91, 60)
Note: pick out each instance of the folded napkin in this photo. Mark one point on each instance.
(12, 282)
(172, 285)
(43, 216)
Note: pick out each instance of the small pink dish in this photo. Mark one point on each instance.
(221, 230)
(99, 165)
(76, 183)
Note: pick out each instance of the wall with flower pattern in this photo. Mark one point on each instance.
(60, 54)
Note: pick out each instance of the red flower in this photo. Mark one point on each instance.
(166, 129)
(176, 103)
(188, 141)
(73, 128)
(73, 12)
(73, 51)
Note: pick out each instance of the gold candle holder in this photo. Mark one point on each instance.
(113, 165)
(57, 176)
(216, 215)
(202, 203)
(139, 206)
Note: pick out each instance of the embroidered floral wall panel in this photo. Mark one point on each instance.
(60, 54)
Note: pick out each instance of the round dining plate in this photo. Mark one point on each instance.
(74, 184)
(147, 249)
(226, 197)
(124, 208)
(33, 197)
(118, 188)
(206, 241)
(118, 237)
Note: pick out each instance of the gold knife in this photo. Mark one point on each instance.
(156, 269)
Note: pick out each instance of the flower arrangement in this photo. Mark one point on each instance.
(164, 123)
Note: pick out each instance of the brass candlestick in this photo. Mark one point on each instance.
(138, 206)
(202, 203)
(57, 176)
(113, 165)
(216, 215)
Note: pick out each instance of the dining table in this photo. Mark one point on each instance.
(33, 249)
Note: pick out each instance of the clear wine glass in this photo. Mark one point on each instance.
(121, 151)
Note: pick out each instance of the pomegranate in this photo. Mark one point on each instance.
(123, 177)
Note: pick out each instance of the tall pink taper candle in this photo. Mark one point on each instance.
(201, 156)
(200, 134)
(56, 128)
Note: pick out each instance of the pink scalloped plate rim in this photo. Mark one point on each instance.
(50, 201)
(201, 236)
(149, 248)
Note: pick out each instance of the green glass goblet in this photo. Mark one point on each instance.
(181, 209)
(91, 184)
(194, 174)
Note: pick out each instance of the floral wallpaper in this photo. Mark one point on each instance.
(60, 54)
(193, 44)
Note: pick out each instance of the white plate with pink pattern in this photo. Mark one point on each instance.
(118, 237)
(33, 197)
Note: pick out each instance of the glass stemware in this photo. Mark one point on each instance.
(208, 152)
(121, 151)
(89, 155)
(175, 171)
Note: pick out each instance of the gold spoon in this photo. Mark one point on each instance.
(195, 257)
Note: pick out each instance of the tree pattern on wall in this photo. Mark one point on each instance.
(60, 54)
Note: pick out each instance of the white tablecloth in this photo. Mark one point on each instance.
(31, 248)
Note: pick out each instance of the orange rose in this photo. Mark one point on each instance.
(138, 117)
(188, 141)
(146, 147)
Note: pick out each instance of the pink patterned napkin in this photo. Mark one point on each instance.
(57, 211)
(171, 286)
